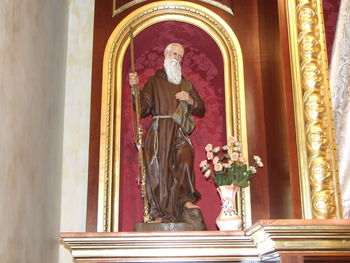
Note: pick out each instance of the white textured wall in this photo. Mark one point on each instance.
(77, 119)
(33, 44)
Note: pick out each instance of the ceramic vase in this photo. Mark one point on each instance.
(228, 218)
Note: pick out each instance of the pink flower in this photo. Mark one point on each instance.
(216, 149)
(225, 165)
(234, 156)
(225, 147)
(209, 148)
(241, 159)
(232, 139)
(207, 174)
(210, 155)
(257, 158)
(203, 163)
(216, 160)
(252, 169)
(236, 149)
(218, 167)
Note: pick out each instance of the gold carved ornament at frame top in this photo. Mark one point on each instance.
(119, 9)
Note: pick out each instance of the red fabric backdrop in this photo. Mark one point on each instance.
(203, 65)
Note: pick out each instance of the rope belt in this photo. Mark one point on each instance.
(162, 117)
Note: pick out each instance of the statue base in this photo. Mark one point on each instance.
(192, 221)
(142, 227)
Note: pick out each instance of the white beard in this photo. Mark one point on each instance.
(173, 70)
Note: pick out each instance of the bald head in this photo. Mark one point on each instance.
(173, 55)
(175, 51)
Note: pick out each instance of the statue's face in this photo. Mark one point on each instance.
(172, 63)
(176, 52)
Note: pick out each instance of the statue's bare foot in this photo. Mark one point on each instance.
(157, 220)
(191, 205)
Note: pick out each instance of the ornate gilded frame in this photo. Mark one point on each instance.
(313, 115)
(118, 42)
(318, 171)
(120, 9)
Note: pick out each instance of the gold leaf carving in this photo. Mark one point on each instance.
(318, 171)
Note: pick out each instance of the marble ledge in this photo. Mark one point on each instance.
(266, 240)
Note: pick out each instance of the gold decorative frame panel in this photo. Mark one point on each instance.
(318, 170)
(120, 9)
(143, 17)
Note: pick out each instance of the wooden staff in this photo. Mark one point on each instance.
(138, 135)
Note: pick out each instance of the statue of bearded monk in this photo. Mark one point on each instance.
(169, 154)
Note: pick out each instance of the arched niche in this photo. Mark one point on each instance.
(111, 111)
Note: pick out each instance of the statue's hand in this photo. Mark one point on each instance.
(183, 95)
(191, 205)
(133, 79)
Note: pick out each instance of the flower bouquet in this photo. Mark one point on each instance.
(227, 166)
(228, 169)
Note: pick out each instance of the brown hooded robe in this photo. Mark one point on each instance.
(169, 154)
